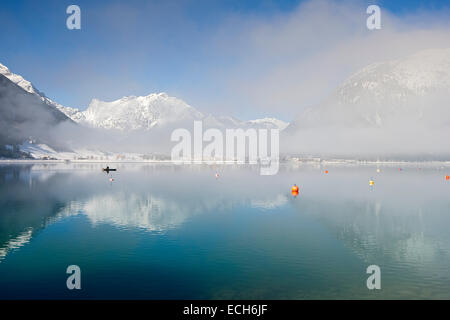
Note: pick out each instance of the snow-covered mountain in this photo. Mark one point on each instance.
(25, 116)
(133, 113)
(269, 123)
(157, 110)
(393, 107)
(30, 88)
(385, 93)
(140, 113)
(31, 123)
(19, 80)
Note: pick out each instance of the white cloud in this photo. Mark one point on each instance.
(283, 64)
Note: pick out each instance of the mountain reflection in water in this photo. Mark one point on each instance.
(245, 234)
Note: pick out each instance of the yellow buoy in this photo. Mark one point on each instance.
(371, 183)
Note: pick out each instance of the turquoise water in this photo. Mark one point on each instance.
(176, 232)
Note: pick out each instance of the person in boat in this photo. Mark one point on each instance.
(107, 168)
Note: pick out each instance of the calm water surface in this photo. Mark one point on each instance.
(176, 232)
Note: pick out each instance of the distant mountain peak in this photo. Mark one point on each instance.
(419, 72)
(140, 112)
(383, 92)
(158, 110)
(270, 122)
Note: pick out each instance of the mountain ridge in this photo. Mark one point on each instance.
(381, 92)
(397, 108)
(139, 112)
(25, 116)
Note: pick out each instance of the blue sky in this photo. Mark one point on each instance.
(195, 50)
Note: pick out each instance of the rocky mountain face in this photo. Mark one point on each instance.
(23, 115)
(398, 106)
(134, 122)
(157, 110)
(139, 112)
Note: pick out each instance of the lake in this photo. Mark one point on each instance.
(163, 231)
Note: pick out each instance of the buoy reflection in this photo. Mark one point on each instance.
(294, 190)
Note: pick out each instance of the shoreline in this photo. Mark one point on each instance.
(282, 162)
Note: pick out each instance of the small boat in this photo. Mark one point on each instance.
(108, 169)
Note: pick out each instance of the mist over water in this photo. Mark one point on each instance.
(166, 231)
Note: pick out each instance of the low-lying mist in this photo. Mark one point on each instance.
(417, 128)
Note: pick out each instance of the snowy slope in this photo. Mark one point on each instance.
(140, 113)
(133, 113)
(24, 114)
(160, 110)
(385, 93)
(26, 85)
(397, 109)
(17, 79)
(269, 123)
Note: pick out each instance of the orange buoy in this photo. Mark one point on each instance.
(326, 171)
(295, 190)
(447, 178)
